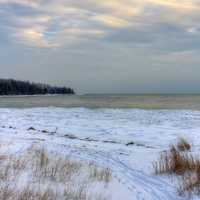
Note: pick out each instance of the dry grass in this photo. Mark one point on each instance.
(29, 194)
(99, 174)
(57, 168)
(38, 175)
(178, 161)
(174, 161)
(183, 145)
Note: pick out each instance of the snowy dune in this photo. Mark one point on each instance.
(125, 140)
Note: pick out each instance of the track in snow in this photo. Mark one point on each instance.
(143, 186)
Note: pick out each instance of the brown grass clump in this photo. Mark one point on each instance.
(183, 145)
(173, 161)
(177, 161)
(190, 182)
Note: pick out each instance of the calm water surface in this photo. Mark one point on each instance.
(105, 101)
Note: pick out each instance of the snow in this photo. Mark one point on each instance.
(101, 136)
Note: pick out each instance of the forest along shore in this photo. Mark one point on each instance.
(16, 87)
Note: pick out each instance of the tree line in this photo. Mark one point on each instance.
(16, 87)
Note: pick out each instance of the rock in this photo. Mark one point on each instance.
(73, 137)
(31, 129)
(45, 131)
(130, 143)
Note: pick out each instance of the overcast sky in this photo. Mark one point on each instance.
(102, 46)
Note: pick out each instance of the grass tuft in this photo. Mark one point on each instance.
(178, 161)
(174, 161)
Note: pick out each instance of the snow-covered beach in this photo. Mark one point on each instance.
(126, 141)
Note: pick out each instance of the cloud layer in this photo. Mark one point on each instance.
(54, 23)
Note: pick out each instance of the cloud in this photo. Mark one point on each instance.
(54, 23)
(112, 22)
(184, 6)
(29, 3)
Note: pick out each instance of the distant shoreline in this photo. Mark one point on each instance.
(35, 95)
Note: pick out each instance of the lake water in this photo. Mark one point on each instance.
(191, 102)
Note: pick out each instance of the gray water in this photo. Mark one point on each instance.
(104, 101)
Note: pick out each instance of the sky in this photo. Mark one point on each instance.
(103, 46)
